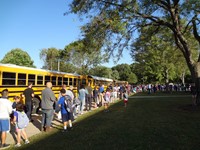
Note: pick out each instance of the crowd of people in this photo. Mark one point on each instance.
(68, 104)
(66, 107)
(152, 88)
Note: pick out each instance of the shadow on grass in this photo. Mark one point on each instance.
(143, 124)
(89, 130)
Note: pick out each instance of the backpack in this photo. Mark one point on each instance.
(68, 103)
(22, 120)
(125, 95)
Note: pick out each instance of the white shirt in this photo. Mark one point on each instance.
(70, 93)
(5, 108)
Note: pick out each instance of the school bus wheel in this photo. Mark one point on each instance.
(36, 105)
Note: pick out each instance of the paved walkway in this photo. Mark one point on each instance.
(33, 128)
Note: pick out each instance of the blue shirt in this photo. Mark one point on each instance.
(16, 115)
(82, 94)
(61, 102)
(101, 89)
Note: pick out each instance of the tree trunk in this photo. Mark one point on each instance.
(167, 80)
(183, 78)
(197, 83)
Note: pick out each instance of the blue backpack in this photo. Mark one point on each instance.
(22, 120)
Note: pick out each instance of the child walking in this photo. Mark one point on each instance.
(21, 121)
(65, 114)
(125, 97)
(107, 99)
(17, 100)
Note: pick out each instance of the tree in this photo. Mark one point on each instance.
(115, 75)
(67, 67)
(132, 78)
(82, 56)
(18, 57)
(101, 71)
(120, 19)
(124, 71)
(159, 56)
(51, 57)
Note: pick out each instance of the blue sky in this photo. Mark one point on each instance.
(36, 24)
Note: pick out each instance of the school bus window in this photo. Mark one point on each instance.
(21, 79)
(59, 80)
(47, 79)
(39, 80)
(8, 78)
(31, 78)
(84, 81)
(53, 80)
(70, 81)
(75, 82)
(95, 82)
(65, 81)
(79, 83)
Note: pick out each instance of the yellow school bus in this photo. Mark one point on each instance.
(97, 81)
(16, 78)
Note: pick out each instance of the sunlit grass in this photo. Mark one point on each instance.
(164, 93)
(156, 123)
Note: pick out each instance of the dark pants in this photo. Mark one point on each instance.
(47, 117)
(149, 91)
(28, 109)
(88, 101)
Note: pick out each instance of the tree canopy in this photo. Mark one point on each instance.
(83, 56)
(124, 71)
(159, 57)
(101, 71)
(50, 57)
(114, 23)
(18, 57)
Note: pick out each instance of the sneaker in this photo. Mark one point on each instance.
(18, 145)
(4, 146)
(27, 142)
(70, 128)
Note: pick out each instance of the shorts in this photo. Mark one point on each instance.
(106, 102)
(125, 101)
(17, 129)
(65, 117)
(4, 125)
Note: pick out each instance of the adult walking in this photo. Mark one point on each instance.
(81, 97)
(95, 96)
(48, 100)
(5, 111)
(89, 97)
(101, 99)
(28, 94)
(68, 92)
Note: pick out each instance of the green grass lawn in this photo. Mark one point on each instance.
(146, 123)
